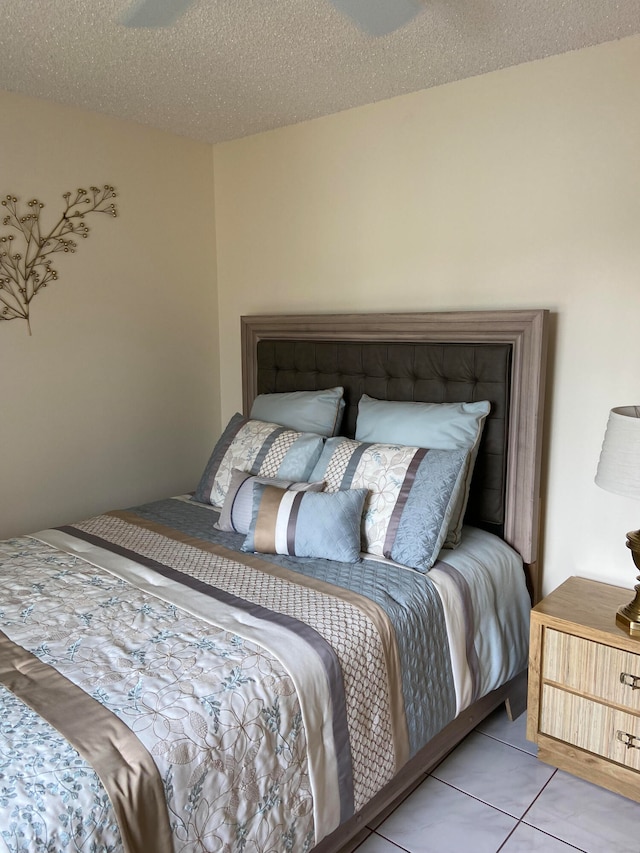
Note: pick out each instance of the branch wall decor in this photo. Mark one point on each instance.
(23, 273)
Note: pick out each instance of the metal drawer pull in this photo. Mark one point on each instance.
(632, 681)
(628, 740)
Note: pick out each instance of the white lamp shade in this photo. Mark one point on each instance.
(619, 465)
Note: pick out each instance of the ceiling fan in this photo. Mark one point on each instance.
(375, 17)
(154, 13)
(379, 17)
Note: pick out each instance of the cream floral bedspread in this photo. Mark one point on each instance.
(248, 686)
(163, 693)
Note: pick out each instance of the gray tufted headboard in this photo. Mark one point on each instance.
(446, 357)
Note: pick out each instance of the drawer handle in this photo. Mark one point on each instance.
(632, 681)
(628, 740)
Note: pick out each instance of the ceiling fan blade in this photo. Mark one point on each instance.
(155, 13)
(379, 17)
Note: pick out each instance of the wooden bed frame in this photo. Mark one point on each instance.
(524, 332)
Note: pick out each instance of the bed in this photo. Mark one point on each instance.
(205, 674)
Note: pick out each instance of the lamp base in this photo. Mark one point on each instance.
(628, 617)
(628, 623)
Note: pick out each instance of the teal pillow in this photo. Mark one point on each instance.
(306, 411)
(441, 426)
(306, 524)
(438, 426)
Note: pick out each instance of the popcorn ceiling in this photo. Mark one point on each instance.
(229, 68)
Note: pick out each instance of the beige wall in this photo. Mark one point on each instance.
(114, 399)
(519, 188)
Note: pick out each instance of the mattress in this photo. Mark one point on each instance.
(163, 691)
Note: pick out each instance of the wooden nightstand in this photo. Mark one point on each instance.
(584, 686)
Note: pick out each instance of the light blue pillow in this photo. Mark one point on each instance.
(306, 411)
(306, 524)
(441, 426)
(261, 448)
(438, 426)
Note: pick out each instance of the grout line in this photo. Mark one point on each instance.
(555, 838)
(484, 802)
(508, 837)
(535, 799)
(547, 834)
(505, 743)
(395, 844)
(386, 813)
(519, 821)
(543, 831)
(389, 840)
(502, 845)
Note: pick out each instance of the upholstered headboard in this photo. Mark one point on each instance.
(442, 357)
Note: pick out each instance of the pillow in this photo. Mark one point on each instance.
(306, 411)
(441, 426)
(412, 493)
(306, 524)
(258, 448)
(235, 515)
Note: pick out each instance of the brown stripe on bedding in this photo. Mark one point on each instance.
(396, 515)
(325, 651)
(267, 446)
(369, 608)
(99, 532)
(352, 465)
(126, 769)
(291, 523)
(223, 445)
(265, 526)
(465, 594)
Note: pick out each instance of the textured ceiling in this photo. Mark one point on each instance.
(228, 68)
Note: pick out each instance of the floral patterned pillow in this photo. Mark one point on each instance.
(412, 493)
(442, 426)
(260, 448)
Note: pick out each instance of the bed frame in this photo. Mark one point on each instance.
(428, 357)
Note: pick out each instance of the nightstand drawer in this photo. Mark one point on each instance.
(589, 725)
(592, 668)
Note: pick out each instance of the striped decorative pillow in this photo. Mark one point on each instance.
(258, 448)
(235, 515)
(306, 524)
(412, 493)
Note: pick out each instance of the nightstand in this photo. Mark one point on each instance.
(584, 686)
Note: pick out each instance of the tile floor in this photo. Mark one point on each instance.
(492, 794)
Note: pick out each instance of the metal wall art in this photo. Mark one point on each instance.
(25, 265)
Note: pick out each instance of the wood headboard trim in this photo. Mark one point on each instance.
(525, 330)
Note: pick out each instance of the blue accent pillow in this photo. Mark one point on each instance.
(306, 524)
(306, 411)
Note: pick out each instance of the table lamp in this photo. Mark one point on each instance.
(619, 472)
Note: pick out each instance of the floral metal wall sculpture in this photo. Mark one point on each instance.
(25, 264)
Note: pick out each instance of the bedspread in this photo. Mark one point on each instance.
(269, 699)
